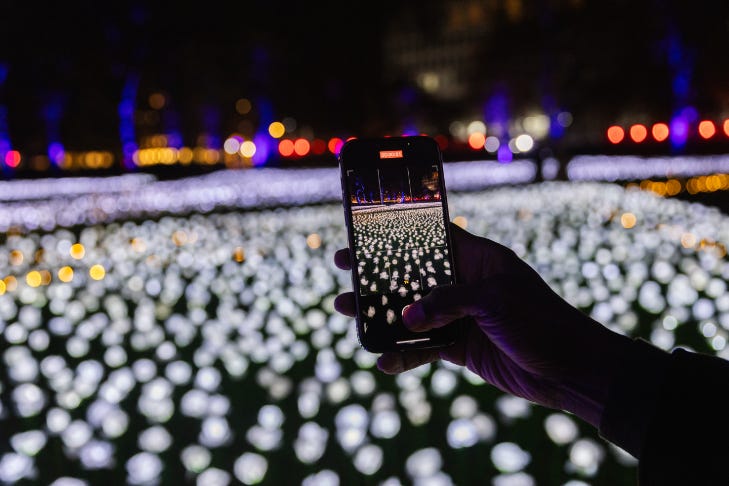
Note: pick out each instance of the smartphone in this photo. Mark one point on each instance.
(396, 212)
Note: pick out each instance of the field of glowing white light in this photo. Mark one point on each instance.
(205, 346)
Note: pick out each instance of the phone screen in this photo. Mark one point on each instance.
(398, 228)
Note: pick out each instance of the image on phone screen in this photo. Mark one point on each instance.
(400, 240)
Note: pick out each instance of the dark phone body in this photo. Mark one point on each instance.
(396, 212)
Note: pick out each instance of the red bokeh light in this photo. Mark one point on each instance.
(318, 146)
(12, 158)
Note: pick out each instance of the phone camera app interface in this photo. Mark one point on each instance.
(399, 233)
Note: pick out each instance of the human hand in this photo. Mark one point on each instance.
(523, 338)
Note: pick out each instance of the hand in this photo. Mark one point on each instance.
(523, 338)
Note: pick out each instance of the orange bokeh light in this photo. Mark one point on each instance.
(615, 134)
(476, 140)
(707, 129)
(286, 147)
(726, 127)
(302, 146)
(660, 132)
(638, 133)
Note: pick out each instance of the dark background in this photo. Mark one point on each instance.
(339, 69)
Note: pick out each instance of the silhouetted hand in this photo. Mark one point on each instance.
(523, 338)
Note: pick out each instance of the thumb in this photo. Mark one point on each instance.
(443, 305)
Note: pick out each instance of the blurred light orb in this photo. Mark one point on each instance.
(195, 458)
(461, 433)
(232, 145)
(508, 457)
(514, 479)
(213, 477)
(29, 443)
(491, 144)
(97, 454)
(524, 143)
(368, 459)
(561, 428)
(385, 424)
(15, 467)
(276, 129)
(250, 468)
(585, 456)
(423, 463)
(143, 468)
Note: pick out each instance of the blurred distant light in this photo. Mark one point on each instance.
(524, 142)
(247, 149)
(638, 133)
(679, 131)
(286, 147)
(12, 158)
(243, 106)
(65, 274)
(97, 272)
(628, 220)
(508, 457)
(77, 251)
(491, 144)
(276, 129)
(565, 118)
(504, 154)
(301, 147)
(476, 126)
(660, 132)
(289, 124)
(250, 468)
(707, 129)
(537, 126)
(335, 145)
(725, 125)
(615, 134)
(318, 146)
(476, 140)
(56, 152)
(231, 145)
(157, 101)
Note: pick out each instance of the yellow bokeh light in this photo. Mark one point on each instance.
(673, 187)
(313, 241)
(628, 220)
(247, 149)
(460, 221)
(77, 251)
(97, 272)
(46, 277)
(276, 129)
(3, 287)
(16, 257)
(239, 255)
(33, 278)
(11, 283)
(65, 274)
